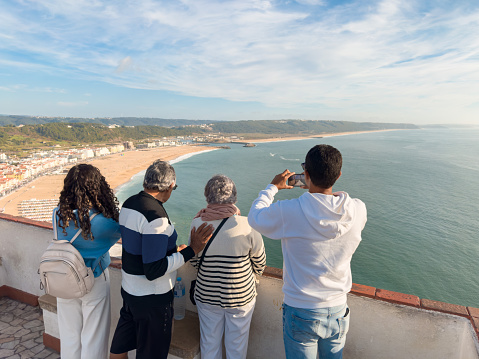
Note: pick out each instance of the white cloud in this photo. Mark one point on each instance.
(311, 2)
(377, 54)
(26, 88)
(125, 64)
(72, 104)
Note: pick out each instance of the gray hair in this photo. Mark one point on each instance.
(220, 190)
(159, 176)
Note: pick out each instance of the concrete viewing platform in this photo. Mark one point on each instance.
(384, 324)
(21, 331)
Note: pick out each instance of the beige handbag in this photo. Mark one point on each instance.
(62, 270)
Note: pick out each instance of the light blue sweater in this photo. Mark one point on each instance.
(95, 252)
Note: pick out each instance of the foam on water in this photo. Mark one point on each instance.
(189, 155)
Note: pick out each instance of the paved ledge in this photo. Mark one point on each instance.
(27, 221)
(363, 290)
(444, 307)
(399, 298)
(21, 331)
(472, 314)
(18, 295)
(48, 302)
(185, 342)
(411, 300)
(273, 272)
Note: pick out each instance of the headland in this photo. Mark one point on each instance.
(119, 168)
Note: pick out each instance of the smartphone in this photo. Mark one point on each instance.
(296, 180)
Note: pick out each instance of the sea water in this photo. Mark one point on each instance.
(421, 189)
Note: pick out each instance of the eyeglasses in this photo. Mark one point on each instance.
(304, 166)
(175, 186)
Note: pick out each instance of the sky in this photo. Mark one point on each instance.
(414, 61)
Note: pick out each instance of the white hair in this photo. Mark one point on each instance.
(159, 176)
(220, 190)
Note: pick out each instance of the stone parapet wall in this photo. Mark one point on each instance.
(384, 324)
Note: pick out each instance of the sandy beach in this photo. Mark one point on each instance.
(293, 138)
(119, 168)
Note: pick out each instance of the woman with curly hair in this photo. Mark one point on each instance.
(84, 323)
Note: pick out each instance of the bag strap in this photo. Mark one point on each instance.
(211, 240)
(79, 231)
(55, 234)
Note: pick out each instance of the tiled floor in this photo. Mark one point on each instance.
(21, 331)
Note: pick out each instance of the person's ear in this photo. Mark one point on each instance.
(340, 173)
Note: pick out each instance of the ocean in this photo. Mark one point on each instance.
(420, 188)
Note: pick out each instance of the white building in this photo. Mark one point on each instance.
(87, 153)
(102, 151)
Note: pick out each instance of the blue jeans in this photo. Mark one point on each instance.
(307, 332)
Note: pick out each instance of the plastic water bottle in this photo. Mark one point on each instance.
(179, 303)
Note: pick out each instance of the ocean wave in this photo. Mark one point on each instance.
(125, 187)
(290, 159)
(188, 155)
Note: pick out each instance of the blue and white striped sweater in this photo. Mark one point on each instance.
(150, 257)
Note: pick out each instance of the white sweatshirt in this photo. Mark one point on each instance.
(319, 234)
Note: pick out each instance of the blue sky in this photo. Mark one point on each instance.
(381, 61)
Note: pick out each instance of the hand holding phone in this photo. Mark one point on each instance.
(281, 180)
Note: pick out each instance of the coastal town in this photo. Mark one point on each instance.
(18, 172)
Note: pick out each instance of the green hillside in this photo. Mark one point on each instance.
(40, 136)
(302, 127)
(65, 134)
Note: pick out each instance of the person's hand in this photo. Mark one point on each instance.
(281, 180)
(199, 237)
(181, 247)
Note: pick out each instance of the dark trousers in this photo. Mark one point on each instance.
(146, 329)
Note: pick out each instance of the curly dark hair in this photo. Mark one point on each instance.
(85, 188)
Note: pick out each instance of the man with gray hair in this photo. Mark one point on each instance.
(150, 259)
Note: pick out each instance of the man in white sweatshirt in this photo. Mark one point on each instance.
(319, 233)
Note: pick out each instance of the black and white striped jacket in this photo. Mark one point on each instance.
(226, 277)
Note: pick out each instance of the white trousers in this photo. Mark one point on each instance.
(84, 323)
(233, 322)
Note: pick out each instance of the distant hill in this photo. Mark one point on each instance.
(17, 120)
(15, 137)
(292, 127)
(303, 127)
(27, 137)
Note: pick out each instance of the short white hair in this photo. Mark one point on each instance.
(159, 176)
(220, 190)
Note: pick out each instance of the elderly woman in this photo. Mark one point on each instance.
(225, 291)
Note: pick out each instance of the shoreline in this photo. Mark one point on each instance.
(172, 161)
(300, 138)
(117, 168)
(120, 168)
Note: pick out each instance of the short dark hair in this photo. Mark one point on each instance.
(323, 163)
